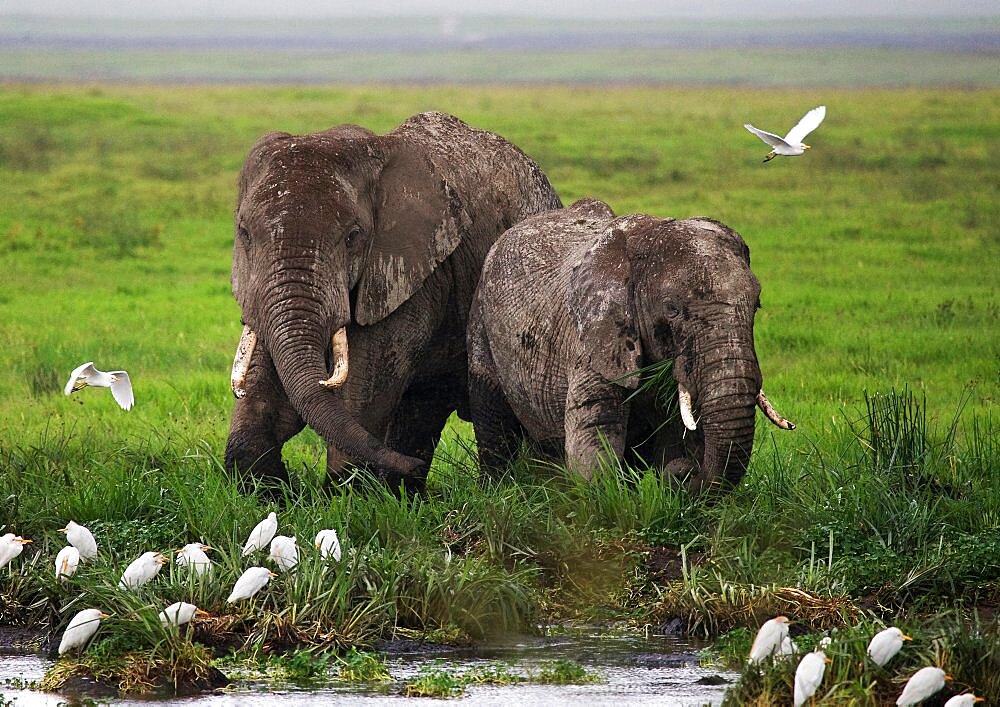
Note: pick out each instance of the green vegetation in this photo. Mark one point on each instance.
(565, 672)
(878, 337)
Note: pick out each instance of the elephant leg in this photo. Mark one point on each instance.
(263, 420)
(596, 419)
(422, 413)
(498, 431)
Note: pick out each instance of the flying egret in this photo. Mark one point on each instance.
(249, 583)
(82, 539)
(809, 675)
(261, 535)
(67, 561)
(193, 555)
(791, 144)
(284, 552)
(118, 381)
(81, 629)
(180, 613)
(328, 544)
(142, 569)
(966, 700)
(769, 638)
(886, 644)
(10, 547)
(921, 685)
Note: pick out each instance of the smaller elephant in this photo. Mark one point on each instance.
(573, 302)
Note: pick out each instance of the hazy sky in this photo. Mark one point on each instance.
(538, 8)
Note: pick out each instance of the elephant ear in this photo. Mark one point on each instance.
(599, 300)
(419, 221)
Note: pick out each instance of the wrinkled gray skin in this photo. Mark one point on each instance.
(574, 300)
(383, 234)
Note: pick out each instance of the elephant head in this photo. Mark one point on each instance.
(334, 229)
(654, 289)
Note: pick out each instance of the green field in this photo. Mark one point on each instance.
(878, 255)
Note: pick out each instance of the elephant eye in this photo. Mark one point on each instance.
(673, 312)
(353, 234)
(243, 233)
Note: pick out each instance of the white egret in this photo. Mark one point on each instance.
(885, 644)
(809, 675)
(966, 700)
(81, 629)
(261, 535)
(249, 583)
(10, 547)
(180, 613)
(788, 647)
(67, 561)
(82, 539)
(142, 569)
(284, 552)
(825, 641)
(921, 685)
(328, 544)
(193, 555)
(118, 381)
(769, 638)
(791, 144)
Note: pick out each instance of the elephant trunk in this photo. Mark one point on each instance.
(297, 331)
(728, 383)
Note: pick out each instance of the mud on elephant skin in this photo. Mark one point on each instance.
(572, 302)
(355, 260)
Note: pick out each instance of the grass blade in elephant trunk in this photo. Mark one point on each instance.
(299, 359)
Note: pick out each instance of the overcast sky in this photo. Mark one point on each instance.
(621, 9)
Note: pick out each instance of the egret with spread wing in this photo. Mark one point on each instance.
(791, 145)
(118, 381)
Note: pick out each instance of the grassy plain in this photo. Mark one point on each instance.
(877, 253)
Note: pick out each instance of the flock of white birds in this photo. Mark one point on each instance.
(83, 547)
(773, 640)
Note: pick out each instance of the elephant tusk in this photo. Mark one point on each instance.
(772, 414)
(339, 350)
(244, 352)
(687, 416)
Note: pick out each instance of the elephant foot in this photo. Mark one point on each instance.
(412, 477)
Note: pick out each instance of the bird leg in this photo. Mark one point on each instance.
(770, 156)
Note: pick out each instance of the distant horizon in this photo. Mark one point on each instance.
(777, 10)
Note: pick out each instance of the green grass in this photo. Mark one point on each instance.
(878, 337)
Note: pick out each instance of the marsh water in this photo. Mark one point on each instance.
(633, 670)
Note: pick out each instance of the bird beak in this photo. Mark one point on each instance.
(948, 677)
(162, 560)
(199, 612)
(318, 544)
(23, 541)
(806, 147)
(104, 616)
(272, 574)
(906, 638)
(828, 660)
(63, 530)
(177, 552)
(980, 699)
(205, 548)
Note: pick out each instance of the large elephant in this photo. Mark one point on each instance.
(572, 302)
(355, 261)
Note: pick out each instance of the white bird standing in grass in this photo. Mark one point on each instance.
(118, 381)
(809, 675)
(261, 535)
(142, 569)
(921, 685)
(249, 583)
(284, 552)
(81, 629)
(328, 544)
(791, 145)
(788, 647)
(769, 638)
(82, 539)
(180, 613)
(885, 644)
(193, 555)
(966, 700)
(10, 547)
(67, 561)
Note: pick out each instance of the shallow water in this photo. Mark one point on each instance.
(635, 671)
